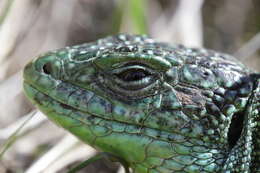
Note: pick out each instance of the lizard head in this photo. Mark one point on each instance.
(154, 105)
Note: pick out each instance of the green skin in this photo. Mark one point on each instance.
(161, 108)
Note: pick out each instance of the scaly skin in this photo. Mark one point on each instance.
(159, 107)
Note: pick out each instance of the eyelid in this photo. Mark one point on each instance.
(108, 62)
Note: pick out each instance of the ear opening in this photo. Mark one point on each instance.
(241, 157)
(235, 128)
(238, 138)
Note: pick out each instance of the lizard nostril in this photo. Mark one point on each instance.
(47, 68)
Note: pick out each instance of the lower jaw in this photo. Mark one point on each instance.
(52, 107)
(124, 140)
(135, 144)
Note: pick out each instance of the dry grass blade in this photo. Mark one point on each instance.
(6, 10)
(186, 18)
(64, 146)
(11, 92)
(249, 48)
(99, 156)
(14, 135)
(14, 84)
(30, 125)
(80, 152)
(9, 29)
(121, 169)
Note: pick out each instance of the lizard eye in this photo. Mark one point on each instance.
(132, 77)
(132, 80)
(134, 74)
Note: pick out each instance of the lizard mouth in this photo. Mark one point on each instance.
(44, 101)
(70, 118)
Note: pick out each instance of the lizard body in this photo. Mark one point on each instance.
(161, 108)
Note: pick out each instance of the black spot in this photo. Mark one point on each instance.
(235, 128)
(205, 73)
(47, 68)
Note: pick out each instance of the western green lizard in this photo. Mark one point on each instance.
(159, 107)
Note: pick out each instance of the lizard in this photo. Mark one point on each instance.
(162, 108)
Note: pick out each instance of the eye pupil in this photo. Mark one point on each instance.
(133, 75)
